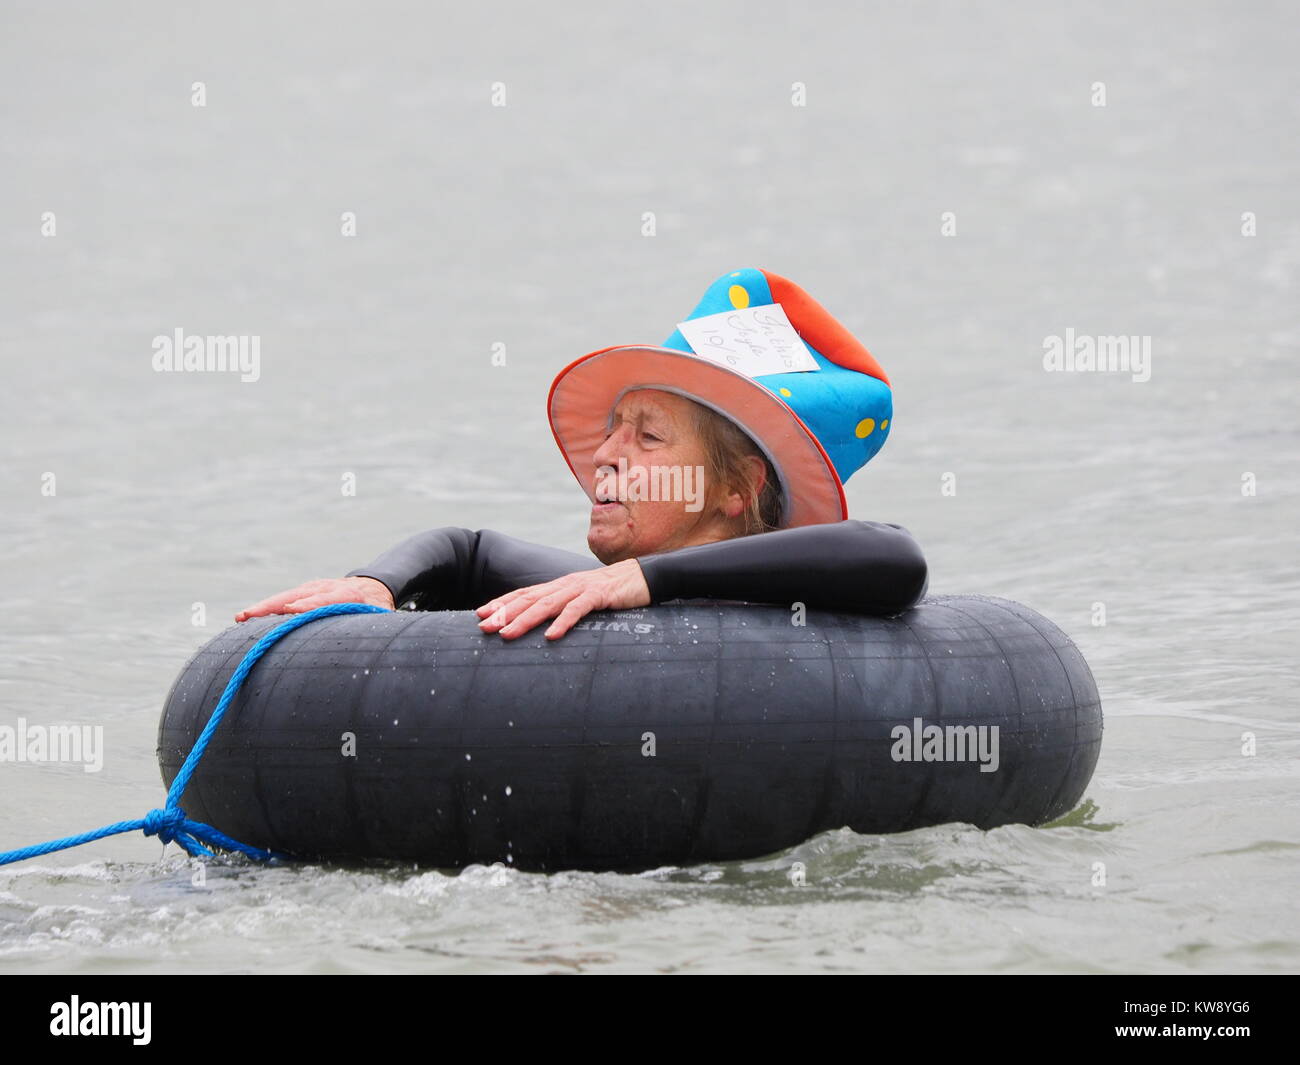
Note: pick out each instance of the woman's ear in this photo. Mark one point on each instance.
(734, 504)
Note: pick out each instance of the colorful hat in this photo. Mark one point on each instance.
(748, 339)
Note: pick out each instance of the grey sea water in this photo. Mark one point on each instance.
(957, 183)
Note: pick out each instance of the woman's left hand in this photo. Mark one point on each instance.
(567, 599)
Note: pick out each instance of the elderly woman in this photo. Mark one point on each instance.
(711, 476)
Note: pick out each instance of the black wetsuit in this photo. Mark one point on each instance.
(865, 567)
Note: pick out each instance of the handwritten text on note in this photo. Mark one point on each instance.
(756, 341)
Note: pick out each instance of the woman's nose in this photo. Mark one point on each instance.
(612, 449)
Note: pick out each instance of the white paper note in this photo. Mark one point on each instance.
(753, 340)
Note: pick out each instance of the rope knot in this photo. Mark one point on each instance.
(164, 823)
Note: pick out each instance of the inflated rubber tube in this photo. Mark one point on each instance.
(670, 735)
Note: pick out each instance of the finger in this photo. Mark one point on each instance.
(493, 605)
(547, 607)
(574, 612)
(248, 615)
(311, 602)
(507, 612)
(274, 604)
(531, 592)
(267, 606)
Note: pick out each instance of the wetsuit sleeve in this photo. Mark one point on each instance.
(460, 569)
(864, 567)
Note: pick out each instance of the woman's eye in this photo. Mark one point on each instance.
(651, 437)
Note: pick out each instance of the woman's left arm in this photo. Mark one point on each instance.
(863, 567)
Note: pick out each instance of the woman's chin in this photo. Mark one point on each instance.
(609, 543)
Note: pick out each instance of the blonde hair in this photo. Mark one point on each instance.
(727, 449)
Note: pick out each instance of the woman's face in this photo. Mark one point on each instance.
(654, 432)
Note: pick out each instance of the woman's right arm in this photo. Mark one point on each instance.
(443, 569)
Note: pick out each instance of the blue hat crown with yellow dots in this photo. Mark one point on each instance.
(847, 402)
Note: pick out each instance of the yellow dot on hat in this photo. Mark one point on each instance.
(865, 427)
(885, 424)
(739, 296)
(785, 392)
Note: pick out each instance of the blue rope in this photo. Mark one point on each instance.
(170, 823)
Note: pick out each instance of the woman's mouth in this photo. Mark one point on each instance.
(606, 502)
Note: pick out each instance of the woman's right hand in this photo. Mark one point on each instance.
(312, 594)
